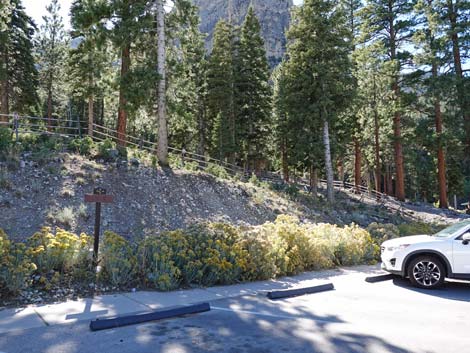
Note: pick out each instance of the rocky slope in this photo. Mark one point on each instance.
(274, 16)
(50, 191)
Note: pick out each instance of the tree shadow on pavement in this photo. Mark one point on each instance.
(248, 325)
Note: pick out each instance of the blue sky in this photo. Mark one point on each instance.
(37, 8)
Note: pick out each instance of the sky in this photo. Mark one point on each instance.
(37, 8)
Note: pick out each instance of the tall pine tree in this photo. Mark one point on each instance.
(220, 94)
(18, 74)
(52, 55)
(388, 22)
(253, 93)
(319, 70)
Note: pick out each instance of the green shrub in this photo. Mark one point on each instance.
(104, 147)
(381, 232)
(83, 146)
(118, 260)
(292, 190)
(161, 259)
(191, 166)
(417, 228)
(217, 171)
(5, 140)
(16, 267)
(254, 179)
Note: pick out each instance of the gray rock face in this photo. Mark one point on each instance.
(274, 16)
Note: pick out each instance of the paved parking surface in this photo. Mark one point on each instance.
(356, 317)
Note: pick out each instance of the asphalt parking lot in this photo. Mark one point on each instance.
(357, 316)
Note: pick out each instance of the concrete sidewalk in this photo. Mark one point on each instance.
(127, 303)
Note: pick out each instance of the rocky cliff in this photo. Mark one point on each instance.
(274, 16)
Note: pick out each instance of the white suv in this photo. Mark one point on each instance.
(428, 259)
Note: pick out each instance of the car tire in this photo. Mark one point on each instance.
(426, 272)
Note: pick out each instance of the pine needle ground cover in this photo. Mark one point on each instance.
(56, 264)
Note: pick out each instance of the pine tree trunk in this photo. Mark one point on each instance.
(399, 165)
(328, 164)
(285, 163)
(378, 166)
(90, 115)
(341, 170)
(201, 147)
(4, 88)
(49, 107)
(122, 112)
(462, 95)
(314, 181)
(357, 165)
(441, 163)
(162, 148)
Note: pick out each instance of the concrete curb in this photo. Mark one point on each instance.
(104, 324)
(300, 291)
(380, 278)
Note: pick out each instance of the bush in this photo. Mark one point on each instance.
(160, 260)
(118, 260)
(204, 254)
(417, 228)
(217, 171)
(381, 232)
(60, 252)
(83, 146)
(5, 140)
(16, 267)
(104, 149)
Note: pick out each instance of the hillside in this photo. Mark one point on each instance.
(49, 189)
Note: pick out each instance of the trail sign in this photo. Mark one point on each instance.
(99, 196)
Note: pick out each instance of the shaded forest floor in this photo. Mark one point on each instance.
(49, 191)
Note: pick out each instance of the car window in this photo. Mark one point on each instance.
(455, 228)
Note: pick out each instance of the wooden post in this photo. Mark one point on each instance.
(98, 197)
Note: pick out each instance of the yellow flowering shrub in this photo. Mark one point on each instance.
(204, 254)
(160, 260)
(118, 261)
(352, 246)
(16, 267)
(61, 251)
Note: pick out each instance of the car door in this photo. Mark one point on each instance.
(461, 255)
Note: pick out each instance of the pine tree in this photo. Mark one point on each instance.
(220, 94)
(186, 59)
(87, 63)
(319, 71)
(280, 112)
(253, 93)
(18, 74)
(388, 22)
(457, 16)
(433, 54)
(52, 53)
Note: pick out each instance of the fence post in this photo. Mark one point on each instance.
(16, 124)
(455, 202)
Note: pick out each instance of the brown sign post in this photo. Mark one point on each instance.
(99, 196)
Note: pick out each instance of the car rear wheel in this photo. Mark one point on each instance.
(426, 272)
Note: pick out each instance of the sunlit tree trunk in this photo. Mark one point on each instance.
(162, 147)
(122, 112)
(328, 164)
